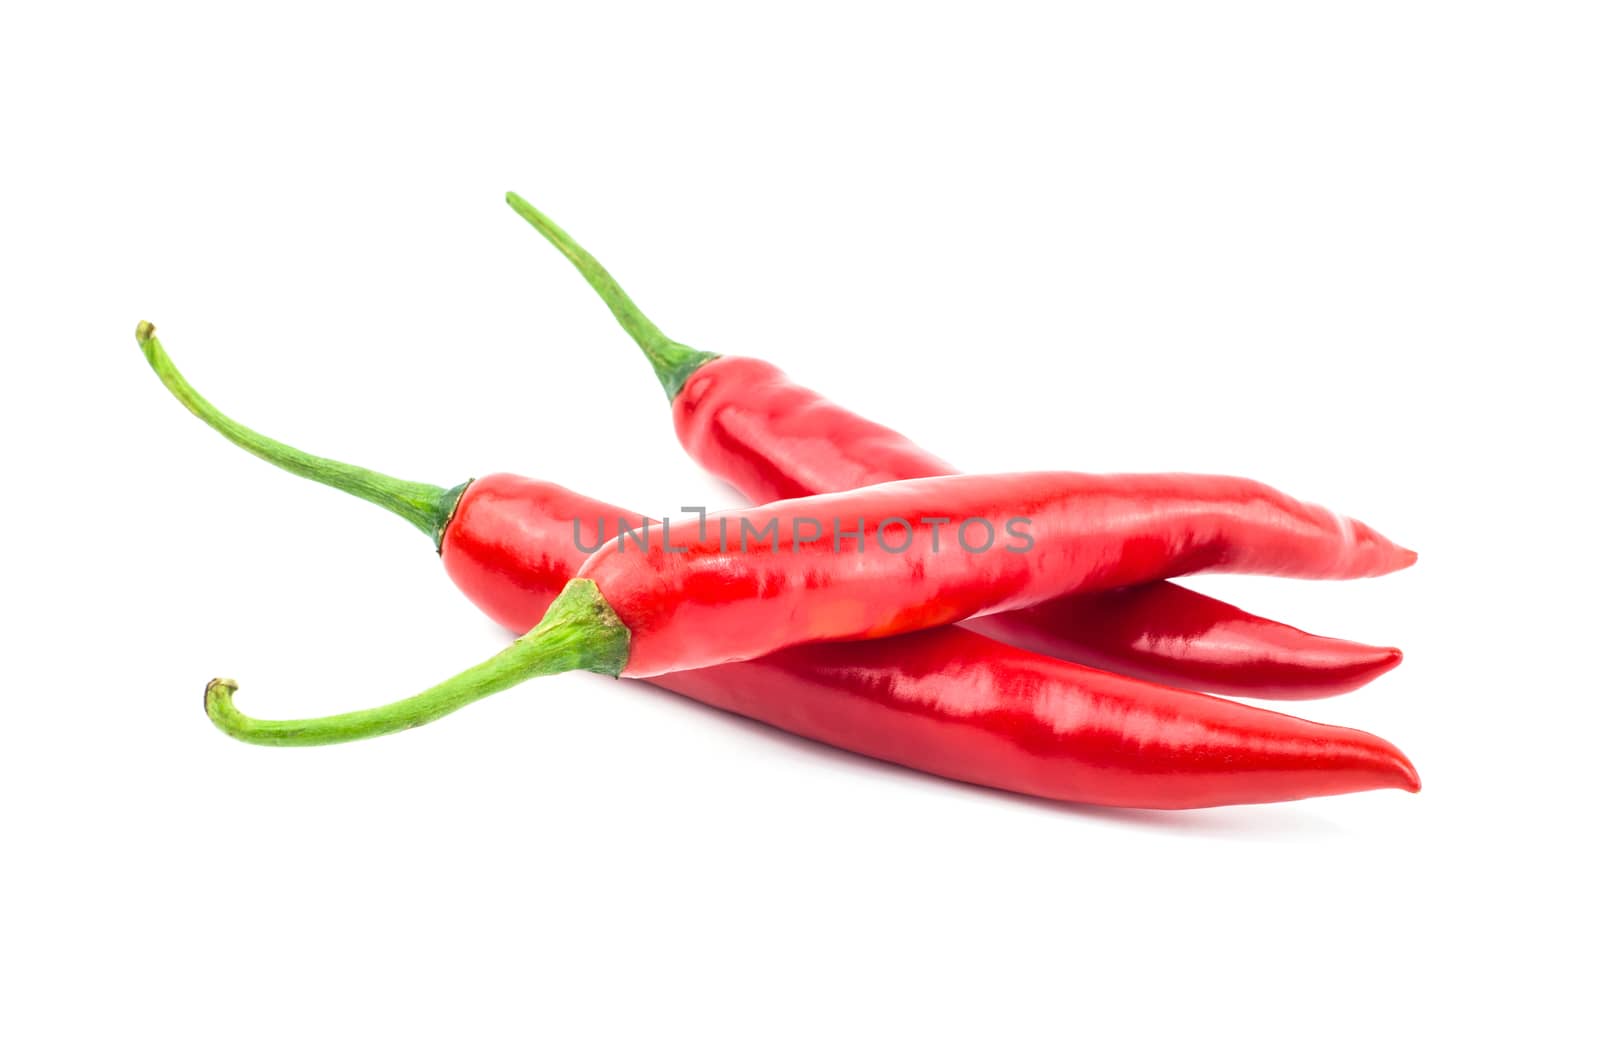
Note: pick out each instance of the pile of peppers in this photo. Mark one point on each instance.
(1059, 663)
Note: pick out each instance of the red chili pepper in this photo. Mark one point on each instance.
(944, 701)
(901, 556)
(750, 425)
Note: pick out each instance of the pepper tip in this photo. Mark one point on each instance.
(1410, 780)
(144, 331)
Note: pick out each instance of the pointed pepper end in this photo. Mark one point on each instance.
(1404, 774)
(1386, 659)
(1413, 782)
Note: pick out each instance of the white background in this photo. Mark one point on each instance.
(1350, 251)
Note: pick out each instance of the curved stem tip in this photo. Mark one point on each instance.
(673, 361)
(428, 508)
(579, 632)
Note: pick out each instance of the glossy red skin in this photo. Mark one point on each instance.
(750, 425)
(1165, 633)
(695, 603)
(945, 701)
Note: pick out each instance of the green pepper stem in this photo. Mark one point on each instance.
(428, 508)
(579, 632)
(673, 361)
